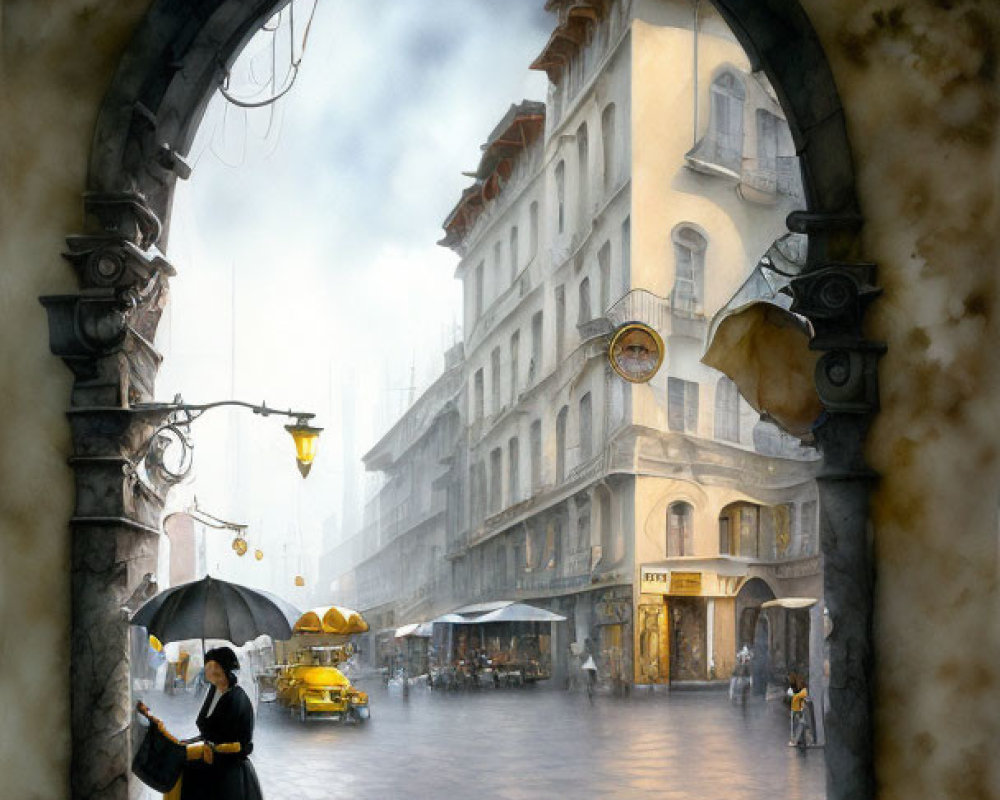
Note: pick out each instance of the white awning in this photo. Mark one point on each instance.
(790, 602)
(422, 629)
(502, 611)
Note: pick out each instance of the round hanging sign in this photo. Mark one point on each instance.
(636, 352)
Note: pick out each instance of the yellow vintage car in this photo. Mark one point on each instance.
(321, 692)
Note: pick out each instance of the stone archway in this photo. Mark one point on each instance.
(145, 127)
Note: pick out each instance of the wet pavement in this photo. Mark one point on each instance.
(523, 744)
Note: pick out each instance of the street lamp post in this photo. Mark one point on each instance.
(173, 420)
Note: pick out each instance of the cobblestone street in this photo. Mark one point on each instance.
(527, 744)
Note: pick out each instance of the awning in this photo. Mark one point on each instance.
(331, 619)
(521, 612)
(790, 603)
(421, 629)
(499, 611)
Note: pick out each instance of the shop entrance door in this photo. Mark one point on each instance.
(688, 639)
(652, 647)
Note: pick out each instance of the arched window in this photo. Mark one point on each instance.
(609, 146)
(689, 269)
(513, 253)
(584, 314)
(560, 197)
(583, 171)
(586, 428)
(727, 411)
(680, 530)
(728, 95)
(561, 444)
(533, 229)
(513, 471)
(536, 455)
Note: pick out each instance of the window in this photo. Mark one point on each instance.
(479, 290)
(689, 269)
(480, 491)
(496, 480)
(536, 455)
(725, 537)
(627, 252)
(561, 197)
(727, 411)
(560, 320)
(585, 314)
(513, 471)
(583, 527)
(512, 252)
(608, 551)
(727, 120)
(515, 352)
(682, 405)
(478, 396)
(680, 530)
(808, 540)
(501, 562)
(533, 229)
(495, 381)
(535, 365)
(749, 522)
(604, 267)
(586, 428)
(583, 171)
(497, 269)
(561, 444)
(767, 141)
(609, 145)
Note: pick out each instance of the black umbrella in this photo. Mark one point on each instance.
(214, 609)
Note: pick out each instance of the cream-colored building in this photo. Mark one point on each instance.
(646, 189)
(895, 120)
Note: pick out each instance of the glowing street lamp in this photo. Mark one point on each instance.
(178, 415)
(306, 439)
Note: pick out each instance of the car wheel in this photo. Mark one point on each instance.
(302, 711)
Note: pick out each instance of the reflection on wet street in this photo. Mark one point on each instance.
(530, 743)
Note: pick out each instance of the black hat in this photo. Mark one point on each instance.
(224, 657)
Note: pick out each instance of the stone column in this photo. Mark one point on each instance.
(103, 334)
(834, 295)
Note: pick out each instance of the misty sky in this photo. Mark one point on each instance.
(318, 224)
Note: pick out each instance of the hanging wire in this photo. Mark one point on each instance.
(293, 63)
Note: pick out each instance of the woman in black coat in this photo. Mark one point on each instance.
(226, 725)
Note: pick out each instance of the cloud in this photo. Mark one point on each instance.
(329, 221)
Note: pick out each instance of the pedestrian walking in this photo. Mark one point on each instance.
(590, 669)
(219, 767)
(799, 724)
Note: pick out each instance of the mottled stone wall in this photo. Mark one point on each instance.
(55, 65)
(919, 82)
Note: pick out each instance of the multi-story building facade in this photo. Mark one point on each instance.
(657, 517)
(400, 571)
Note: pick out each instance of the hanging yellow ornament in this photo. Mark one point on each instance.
(300, 581)
(240, 545)
(258, 554)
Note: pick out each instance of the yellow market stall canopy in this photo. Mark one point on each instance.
(331, 619)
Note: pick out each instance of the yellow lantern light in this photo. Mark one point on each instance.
(306, 439)
(240, 545)
(258, 554)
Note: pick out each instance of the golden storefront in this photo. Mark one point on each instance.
(685, 625)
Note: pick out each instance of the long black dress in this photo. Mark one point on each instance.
(230, 776)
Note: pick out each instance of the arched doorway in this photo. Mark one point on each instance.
(145, 127)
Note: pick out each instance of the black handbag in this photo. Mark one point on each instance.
(159, 761)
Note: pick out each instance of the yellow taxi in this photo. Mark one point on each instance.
(321, 692)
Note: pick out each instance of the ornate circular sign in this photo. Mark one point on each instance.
(636, 352)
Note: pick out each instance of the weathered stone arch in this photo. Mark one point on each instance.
(145, 128)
